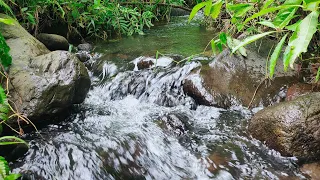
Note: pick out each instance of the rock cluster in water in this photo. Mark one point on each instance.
(42, 83)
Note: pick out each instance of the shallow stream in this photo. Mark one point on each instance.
(141, 125)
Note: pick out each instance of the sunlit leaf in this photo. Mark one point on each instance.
(294, 26)
(213, 47)
(216, 8)
(239, 9)
(269, 10)
(207, 8)
(268, 23)
(318, 75)
(300, 39)
(223, 38)
(250, 39)
(7, 21)
(275, 56)
(196, 9)
(267, 4)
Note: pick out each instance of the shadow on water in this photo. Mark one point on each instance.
(141, 125)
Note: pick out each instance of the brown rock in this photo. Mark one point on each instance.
(233, 79)
(299, 89)
(291, 127)
(312, 170)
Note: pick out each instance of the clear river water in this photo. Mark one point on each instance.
(141, 125)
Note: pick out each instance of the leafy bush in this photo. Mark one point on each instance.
(5, 60)
(5, 171)
(296, 19)
(95, 17)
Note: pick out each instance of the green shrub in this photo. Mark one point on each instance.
(95, 17)
(296, 19)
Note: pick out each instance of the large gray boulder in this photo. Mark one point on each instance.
(42, 83)
(291, 127)
(233, 79)
(53, 41)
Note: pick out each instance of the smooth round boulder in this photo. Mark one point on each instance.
(290, 127)
(53, 41)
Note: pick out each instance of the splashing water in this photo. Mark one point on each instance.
(141, 125)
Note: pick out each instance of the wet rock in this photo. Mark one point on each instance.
(149, 62)
(312, 170)
(42, 83)
(179, 12)
(85, 47)
(13, 152)
(162, 87)
(233, 79)
(49, 84)
(83, 56)
(290, 127)
(299, 89)
(145, 64)
(193, 87)
(53, 41)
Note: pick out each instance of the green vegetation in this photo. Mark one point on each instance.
(296, 19)
(5, 60)
(90, 17)
(5, 171)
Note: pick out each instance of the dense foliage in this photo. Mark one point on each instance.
(5, 60)
(293, 22)
(94, 17)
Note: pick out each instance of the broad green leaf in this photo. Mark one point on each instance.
(12, 177)
(268, 23)
(7, 21)
(267, 4)
(223, 38)
(311, 6)
(195, 9)
(213, 47)
(269, 10)
(275, 56)
(6, 59)
(318, 75)
(219, 45)
(6, 140)
(216, 8)
(232, 43)
(294, 26)
(207, 8)
(242, 50)
(284, 17)
(300, 39)
(250, 39)
(239, 9)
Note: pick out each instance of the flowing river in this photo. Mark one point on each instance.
(141, 125)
